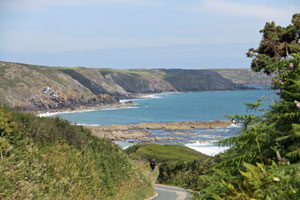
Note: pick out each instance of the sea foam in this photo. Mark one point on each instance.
(207, 148)
(51, 114)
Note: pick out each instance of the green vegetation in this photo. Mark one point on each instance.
(244, 76)
(264, 159)
(50, 73)
(163, 153)
(144, 167)
(277, 43)
(178, 165)
(43, 158)
(198, 80)
(185, 174)
(47, 158)
(23, 85)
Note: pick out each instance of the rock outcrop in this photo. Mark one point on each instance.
(142, 131)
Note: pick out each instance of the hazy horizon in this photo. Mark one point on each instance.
(137, 68)
(128, 34)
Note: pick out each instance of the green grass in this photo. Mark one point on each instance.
(48, 158)
(134, 72)
(164, 153)
(176, 165)
(144, 168)
(50, 72)
(71, 68)
(21, 76)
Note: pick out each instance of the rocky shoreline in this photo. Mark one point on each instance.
(142, 132)
(117, 105)
(120, 104)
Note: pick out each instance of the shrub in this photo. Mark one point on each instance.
(48, 158)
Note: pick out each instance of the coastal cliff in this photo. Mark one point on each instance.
(244, 76)
(33, 88)
(41, 88)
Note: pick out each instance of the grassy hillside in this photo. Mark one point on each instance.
(33, 87)
(244, 76)
(139, 81)
(198, 80)
(47, 158)
(163, 153)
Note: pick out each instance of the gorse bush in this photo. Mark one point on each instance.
(48, 158)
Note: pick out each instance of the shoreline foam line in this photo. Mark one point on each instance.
(112, 107)
(51, 114)
(207, 148)
(104, 108)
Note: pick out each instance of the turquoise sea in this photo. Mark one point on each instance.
(172, 107)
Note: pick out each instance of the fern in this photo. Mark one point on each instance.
(238, 160)
(254, 174)
(293, 154)
(254, 106)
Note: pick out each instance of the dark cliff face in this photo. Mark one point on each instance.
(139, 83)
(132, 83)
(199, 80)
(90, 84)
(32, 87)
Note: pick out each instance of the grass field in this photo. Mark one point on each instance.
(164, 153)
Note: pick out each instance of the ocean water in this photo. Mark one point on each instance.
(174, 107)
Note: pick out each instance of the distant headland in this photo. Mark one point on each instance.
(43, 88)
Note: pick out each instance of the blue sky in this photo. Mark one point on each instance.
(137, 33)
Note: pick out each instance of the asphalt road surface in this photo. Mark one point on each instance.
(171, 193)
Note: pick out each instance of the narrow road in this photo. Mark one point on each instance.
(171, 193)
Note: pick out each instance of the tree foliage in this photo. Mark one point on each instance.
(267, 150)
(277, 43)
(264, 159)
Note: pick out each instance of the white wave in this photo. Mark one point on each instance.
(210, 136)
(51, 114)
(127, 100)
(217, 129)
(89, 124)
(124, 144)
(152, 96)
(48, 114)
(120, 108)
(234, 125)
(206, 148)
(148, 96)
